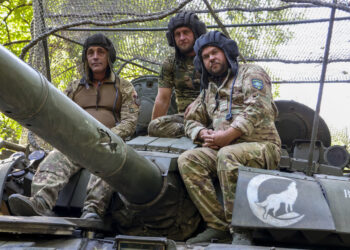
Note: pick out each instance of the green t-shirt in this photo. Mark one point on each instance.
(181, 75)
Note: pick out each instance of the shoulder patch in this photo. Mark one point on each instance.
(258, 84)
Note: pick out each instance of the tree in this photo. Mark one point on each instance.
(340, 137)
(146, 48)
(15, 16)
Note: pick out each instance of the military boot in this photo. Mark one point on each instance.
(28, 206)
(90, 215)
(211, 235)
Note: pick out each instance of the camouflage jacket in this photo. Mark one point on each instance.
(129, 108)
(253, 109)
(181, 75)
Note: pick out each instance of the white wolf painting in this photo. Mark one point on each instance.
(274, 201)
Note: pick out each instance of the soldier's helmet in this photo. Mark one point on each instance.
(99, 40)
(217, 39)
(185, 19)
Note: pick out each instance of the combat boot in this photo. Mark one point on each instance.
(28, 206)
(211, 235)
(90, 215)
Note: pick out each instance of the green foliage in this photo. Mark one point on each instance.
(65, 56)
(64, 62)
(15, 16)
(276, 90)
(9, 129)
(340, 137)
(131, 72)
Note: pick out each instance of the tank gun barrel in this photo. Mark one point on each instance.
(27, 97)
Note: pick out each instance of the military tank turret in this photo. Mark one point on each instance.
(150, 206)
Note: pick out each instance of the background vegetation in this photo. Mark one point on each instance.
(15, 32)
(15, 20)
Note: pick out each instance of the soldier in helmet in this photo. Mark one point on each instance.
(237, 102)
(109, 99)
(177, 73)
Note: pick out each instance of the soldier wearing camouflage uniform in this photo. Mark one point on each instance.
(109, 99)
(177, 73)
(233, 118)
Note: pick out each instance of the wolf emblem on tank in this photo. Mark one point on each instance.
(274, 201)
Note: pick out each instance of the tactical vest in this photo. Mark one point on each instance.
(103, 102)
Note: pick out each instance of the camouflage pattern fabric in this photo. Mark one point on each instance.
(167, 126)
(128, 113)
(253, 109)
(253, 112)
(53, 170)
(51, 176)
(199, 166)
(98, 197)
(180, 75)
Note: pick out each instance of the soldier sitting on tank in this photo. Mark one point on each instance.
(237, 101)
(109, 99)
(177, 73)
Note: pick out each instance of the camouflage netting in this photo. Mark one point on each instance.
(287, 37)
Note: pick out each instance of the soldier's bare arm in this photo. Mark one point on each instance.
(162, 102)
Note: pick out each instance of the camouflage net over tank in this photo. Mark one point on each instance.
(288, 38)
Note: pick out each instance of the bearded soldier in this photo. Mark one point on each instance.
(109, 99)
(177, 73)
(236, 102)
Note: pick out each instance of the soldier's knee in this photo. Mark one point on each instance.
(228, 153)
(153, 127)
(228, 157)
(57, 163)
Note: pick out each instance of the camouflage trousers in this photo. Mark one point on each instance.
(167, 126)
(199, 167)
(54, 173)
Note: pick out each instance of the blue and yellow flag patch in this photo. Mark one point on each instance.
(258, 84)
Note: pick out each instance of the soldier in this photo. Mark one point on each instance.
(177, 73)
(237, 102)
(108, 98)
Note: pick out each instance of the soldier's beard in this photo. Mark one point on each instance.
(219, 72)
(218, 79)
(186, 51)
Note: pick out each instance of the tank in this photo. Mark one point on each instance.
(290, 208)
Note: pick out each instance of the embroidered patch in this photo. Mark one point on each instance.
(258, 84)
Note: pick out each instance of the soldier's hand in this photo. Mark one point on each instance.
(204, 132)
(216, 140)
(208, 138)
(221, 138)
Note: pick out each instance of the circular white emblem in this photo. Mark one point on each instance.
(266, 209)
